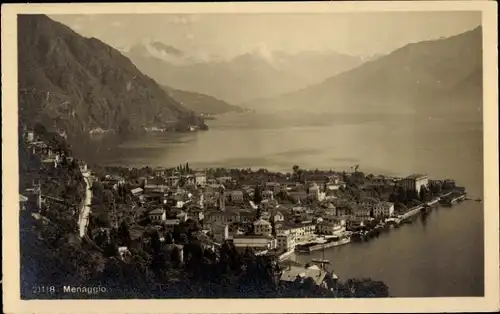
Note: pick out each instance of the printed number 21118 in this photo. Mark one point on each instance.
(44, 289)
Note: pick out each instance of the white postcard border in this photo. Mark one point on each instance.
(10, 222)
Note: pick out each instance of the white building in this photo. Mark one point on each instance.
(366, 207)
(273, 186)
(220, 232)
(224, 180)
(213, 191)
(360, 211)
(267, 195)
(277, 216)
(200, 178)
(237, 196)
(160, 172)
(30, 136)
(414, 182)
(173, 180)
(256, 242)
(155, 185)
(330, 228)
(262, 227)
(286, 242)
(170, 224)
(157, 215)
(221, 217)
(301, 232)
(383, 209)
(314, 191)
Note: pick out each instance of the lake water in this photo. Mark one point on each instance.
(441, 256)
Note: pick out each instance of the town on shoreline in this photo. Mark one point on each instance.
(271, 214)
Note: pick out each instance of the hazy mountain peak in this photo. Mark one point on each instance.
(150, 48)
(430, 75)
(263, 52)
(166, 48)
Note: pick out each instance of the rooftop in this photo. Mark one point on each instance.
(294, 273)
(158, 211)
(384, 203)
(155, 182)
(251, 236)
(136, 190)
(113, 177)
(221, 213)
(289, 226)
(261, 222)
(416, 176)
(215, 186)
(370, 200)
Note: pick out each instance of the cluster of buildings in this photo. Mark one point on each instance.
(227, 212)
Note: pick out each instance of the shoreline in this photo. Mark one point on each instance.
(349, 180)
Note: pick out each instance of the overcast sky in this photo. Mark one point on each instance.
(231, 34)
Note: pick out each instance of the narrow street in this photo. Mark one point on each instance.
(83, 220)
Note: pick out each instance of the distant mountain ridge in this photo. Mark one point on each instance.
(255, 74)
(201, 103)
(418, 77)
(78, 84)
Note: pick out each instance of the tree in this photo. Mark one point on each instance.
(393, 198)
(257, 195)
(297, 172)
(402, 195)
(273, 227)
(191, 226)
(168, 238)
(412, 195)
(155, 242)
(366, 288)
(124, 234)
(40, 129)
(435, 188)
(181, 182)
(124, 126)
(424, 194)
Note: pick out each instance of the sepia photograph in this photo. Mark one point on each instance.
(252, 152)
